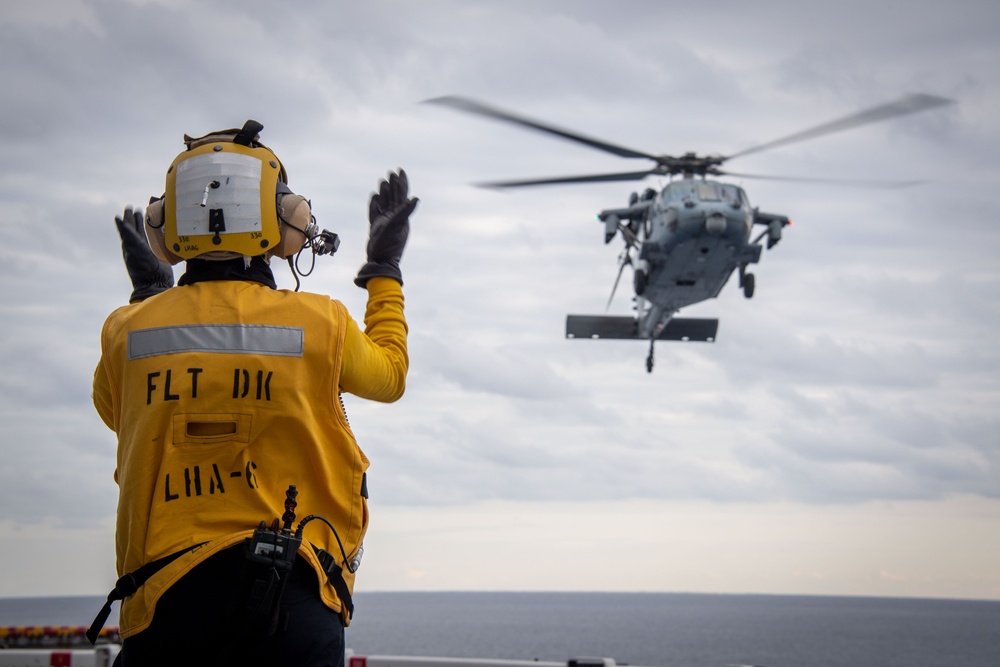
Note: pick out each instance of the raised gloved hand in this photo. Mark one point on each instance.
(389, 216)
(149, 274)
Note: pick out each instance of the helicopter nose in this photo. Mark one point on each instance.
(715, 223)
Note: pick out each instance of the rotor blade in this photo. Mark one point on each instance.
(593, 178)
(827, 181)
(471, 106)
(907, 105)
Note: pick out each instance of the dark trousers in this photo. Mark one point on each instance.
(195, 623)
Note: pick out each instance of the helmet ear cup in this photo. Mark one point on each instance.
(295, 217)
(154, 232)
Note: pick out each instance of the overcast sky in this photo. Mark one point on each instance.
(840, 437)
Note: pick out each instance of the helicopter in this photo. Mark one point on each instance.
(686, 240)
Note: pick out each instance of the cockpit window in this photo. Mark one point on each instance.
(708, 192)
(705, 191)
(679, 191)
(731, 195)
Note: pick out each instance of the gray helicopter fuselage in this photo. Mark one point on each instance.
(697, 233)
(687, 240)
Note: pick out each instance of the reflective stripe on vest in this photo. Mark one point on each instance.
(222, 338)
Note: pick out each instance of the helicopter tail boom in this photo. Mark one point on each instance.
(614, 327)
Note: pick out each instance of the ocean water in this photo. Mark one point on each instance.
(655, 629)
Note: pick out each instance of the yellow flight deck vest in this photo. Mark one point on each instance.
(224, 393)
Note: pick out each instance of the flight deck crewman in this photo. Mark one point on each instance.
(224, 393)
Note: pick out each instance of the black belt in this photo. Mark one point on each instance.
(128, 584)
(336, 576)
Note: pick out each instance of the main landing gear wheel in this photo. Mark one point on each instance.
(748, 285)
(639, 281)
(649, 359)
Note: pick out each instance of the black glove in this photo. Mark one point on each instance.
(389, 216)
(149, 274)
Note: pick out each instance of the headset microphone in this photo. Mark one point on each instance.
(327, 243)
